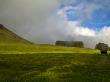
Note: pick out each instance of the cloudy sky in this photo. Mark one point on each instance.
(45, 21)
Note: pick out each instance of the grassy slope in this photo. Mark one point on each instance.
(21, 61)
(10, 42)
(8, 37)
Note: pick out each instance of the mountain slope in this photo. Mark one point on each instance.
(9, 37)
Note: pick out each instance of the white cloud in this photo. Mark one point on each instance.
(88, 36)
(85, 8)
(78, 30)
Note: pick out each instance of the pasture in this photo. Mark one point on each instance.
(46, 63)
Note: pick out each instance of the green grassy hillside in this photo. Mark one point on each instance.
(8, 37)
(21, 61)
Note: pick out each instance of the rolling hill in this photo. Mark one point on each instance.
(8, 37)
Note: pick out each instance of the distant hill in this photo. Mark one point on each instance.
(7, 36)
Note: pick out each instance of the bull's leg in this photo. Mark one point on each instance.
(104, 52)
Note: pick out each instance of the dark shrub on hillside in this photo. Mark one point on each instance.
(1, 26)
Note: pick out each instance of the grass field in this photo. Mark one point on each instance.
(46, 63)
(21, 61)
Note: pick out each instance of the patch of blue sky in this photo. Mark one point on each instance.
(71, 15)
(100, 18)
